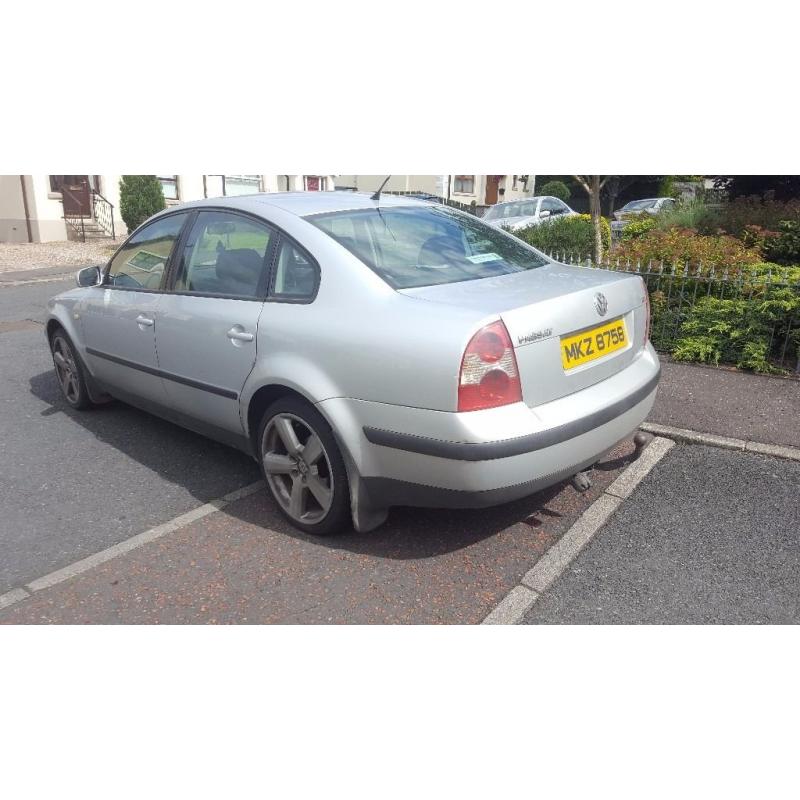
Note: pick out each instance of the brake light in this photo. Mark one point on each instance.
(489, 376)
(647, 314)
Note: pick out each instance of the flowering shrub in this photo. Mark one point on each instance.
(740, 214)
(639, 227)
(783, 246)
(678, 246)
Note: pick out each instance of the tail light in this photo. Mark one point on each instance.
(647, 314)
(489, 376)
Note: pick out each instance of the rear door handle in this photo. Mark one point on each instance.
(239, 335)
(144, 322)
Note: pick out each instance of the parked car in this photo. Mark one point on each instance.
(653, 205)
(367, 353)
(516, 214)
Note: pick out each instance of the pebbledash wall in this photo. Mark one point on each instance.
(463, 188)
(31, 211)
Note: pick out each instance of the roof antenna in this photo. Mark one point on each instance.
(377, 195)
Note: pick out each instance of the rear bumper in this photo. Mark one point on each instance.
(407, 456)
(539, 440)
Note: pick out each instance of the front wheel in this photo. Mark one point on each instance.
(303, 467)
(69, 371)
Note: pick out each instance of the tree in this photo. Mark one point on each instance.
(557, 189)
(784, 187)
(593, 185)
(140, 196)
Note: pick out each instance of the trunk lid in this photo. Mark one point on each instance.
(541, 306)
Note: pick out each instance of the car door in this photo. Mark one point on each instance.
(208, 317)
(119, 317)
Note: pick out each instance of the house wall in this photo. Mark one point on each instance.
(432, 184)
(47, 214)
(12, 210)
(46, 210)
(438, 185)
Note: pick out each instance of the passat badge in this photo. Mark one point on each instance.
(601, 304)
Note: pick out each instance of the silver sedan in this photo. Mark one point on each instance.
(517, 214)
(366, 352)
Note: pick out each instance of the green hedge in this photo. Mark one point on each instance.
(569, 236)
(744, 323)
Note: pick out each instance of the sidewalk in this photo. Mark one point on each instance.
(758, 408)
(29, 258)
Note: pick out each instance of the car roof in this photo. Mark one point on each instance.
(303, 204)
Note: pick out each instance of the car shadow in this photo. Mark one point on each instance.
(185, 458)
(204, 468)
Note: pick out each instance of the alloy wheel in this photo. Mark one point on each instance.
(297, 468)
(66, 369)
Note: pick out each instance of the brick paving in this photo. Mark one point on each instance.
(246, 565)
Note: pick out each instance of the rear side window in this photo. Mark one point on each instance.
(140, 263)
(295, 275)
(225, 254)
(422, 246)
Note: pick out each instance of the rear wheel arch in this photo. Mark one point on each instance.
(261, 400)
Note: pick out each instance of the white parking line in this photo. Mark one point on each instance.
(150, 535)
(28, 281)
(516, 604)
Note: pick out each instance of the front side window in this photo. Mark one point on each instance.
(225, 254)
(464, 184)
(295, 274)
(141, 262)
(411, 247)
(553, 206)
(169, 185)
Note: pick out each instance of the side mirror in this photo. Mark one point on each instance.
(544, 214)
(89, 276)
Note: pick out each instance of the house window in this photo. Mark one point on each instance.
(241, 184)
(169, 184)
(464, 184)
(57, 182)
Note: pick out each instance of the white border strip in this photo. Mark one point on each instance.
(696, 437)
(140, 539)
(29, 281)
(516, 604)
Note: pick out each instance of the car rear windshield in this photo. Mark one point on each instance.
(639, 205)
(526, 208)
(424, 246)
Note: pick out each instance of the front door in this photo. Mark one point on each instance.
(75, 195)
(208, 317)
(492, 183)
(120, 318)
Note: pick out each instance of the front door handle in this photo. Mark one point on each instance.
(238, 334)
(144, 322)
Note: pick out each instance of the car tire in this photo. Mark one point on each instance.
(69, 371)
(303, 467)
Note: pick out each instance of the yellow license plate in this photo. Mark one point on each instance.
(580, 348)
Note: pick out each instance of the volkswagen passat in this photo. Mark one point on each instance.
(368, 353)
(517, 214)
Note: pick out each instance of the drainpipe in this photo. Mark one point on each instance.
(25, 206)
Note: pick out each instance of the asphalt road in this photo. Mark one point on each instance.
(74, 483)
(710, 536)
